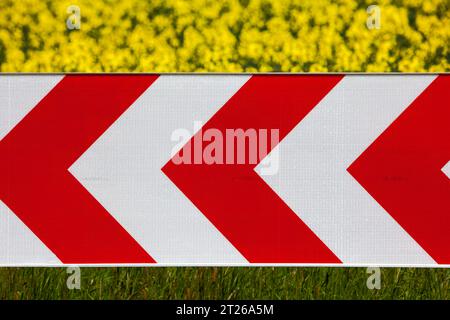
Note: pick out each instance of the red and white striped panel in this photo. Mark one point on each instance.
(88, 172)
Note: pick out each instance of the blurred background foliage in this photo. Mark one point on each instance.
(224, 283)
(224, 36)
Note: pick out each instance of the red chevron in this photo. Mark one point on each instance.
(34, 161)
(233, 197)
(402, 170)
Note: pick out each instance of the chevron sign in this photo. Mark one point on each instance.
(225, 169)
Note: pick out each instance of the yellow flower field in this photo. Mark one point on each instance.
(224, 36)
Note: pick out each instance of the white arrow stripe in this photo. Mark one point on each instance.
(313, 178)
(123, 170)
(446, 169)
(18, 95)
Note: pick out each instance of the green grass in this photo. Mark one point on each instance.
(224, 283)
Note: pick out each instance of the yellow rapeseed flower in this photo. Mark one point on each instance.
(224, 36)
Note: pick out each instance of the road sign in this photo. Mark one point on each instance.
(225, 169)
